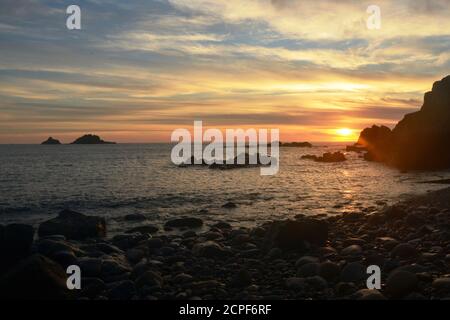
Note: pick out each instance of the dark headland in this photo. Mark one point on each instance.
(418, 142)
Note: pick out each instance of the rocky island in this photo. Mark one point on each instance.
(51, 141)
(91, 139)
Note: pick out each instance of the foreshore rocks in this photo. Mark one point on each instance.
(15, 243)
(420, 140)
(320, 258)
(184, 223)
(296, 145)
(36, 278)
(297, 235)
(327, 157)
(74, 225)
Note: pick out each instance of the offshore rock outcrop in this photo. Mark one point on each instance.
(51, 141)
(91, 139)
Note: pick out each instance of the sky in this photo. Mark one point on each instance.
(137, 70)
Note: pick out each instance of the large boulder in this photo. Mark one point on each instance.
(210, 249)
(294, 235)
(376, 140)
(184, 223)
(74, 225)
(35, 278)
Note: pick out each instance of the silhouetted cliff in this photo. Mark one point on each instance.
(419, 141)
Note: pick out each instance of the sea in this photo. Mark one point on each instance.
(38, 181)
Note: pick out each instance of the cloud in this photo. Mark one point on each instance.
(154, 65)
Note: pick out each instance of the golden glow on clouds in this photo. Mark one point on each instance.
(310, 68)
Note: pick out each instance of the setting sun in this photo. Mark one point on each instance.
(345, 132)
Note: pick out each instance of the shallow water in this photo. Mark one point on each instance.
(114, 180)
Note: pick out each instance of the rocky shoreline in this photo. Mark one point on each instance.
(320, 258)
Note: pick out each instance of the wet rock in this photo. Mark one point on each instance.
(74, 225)
(345, 289)
(332, 157)
(135, 217)
(415, 220)
(404, 251)
(354, 241)
(92, 287)
(212, 235)
(35, 278)
(352, 250)
(149, 279)
(295, 283)
(123, 290)
(395, 213)
(65, 258)
(388, 242)
(49, 247)
(105, 248)
(91, 267)
(135, 255)
(113, 266)
(306, 259)
(182, 278)
(327, 252)
(127, 241)
(329, 271)
(184, 222)
(413, 268)
(401, 283)
(147, 229)
(375, 259)
(442, 284)
(222, 225)
(316, 283)
(292, 235)
(155, 243)
(353, 272)
(274, 253)
(241, 279)
(368, 294)
(229, 205)
(210, 249)
(15, 243)
(189, 234)
(308, 270)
